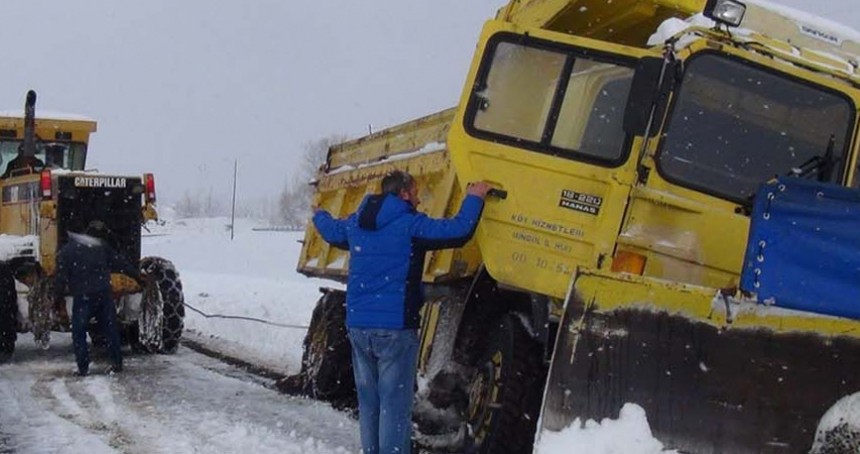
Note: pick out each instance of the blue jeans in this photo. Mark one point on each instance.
(101, 306)
(384, 362)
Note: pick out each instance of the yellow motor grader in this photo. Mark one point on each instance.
(671, 227)
(49, 196)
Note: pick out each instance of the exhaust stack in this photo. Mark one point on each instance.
(30, 124)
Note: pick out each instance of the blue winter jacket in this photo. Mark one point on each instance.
(387, 240)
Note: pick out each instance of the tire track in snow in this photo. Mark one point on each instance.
(81, 401)
(185, 403)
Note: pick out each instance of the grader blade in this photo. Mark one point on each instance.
(713, 375)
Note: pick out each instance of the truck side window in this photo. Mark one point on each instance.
(551, 99)
(594, 128)
(519, 91)
(735, 126)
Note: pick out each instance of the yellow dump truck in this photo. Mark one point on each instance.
(48, 197)
(631, 143)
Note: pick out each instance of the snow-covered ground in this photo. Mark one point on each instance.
(192, 403)
(253, 275)
(183, 403)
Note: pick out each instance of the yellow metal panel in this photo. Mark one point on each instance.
(691, 237)
(398, 140)
(628, 22)
(46, 128)
(341, 191)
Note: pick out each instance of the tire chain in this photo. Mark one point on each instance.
(169, 285)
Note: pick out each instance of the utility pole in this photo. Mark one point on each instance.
(233, 211)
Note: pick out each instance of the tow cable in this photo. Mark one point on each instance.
(239, 317)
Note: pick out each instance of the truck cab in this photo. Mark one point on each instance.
(605, 170)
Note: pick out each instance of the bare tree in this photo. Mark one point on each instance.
(294, 204)
(188, 206)
(199, 204)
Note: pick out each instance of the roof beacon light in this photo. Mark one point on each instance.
(729, 12)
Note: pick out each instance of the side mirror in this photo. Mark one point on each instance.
(649, 92)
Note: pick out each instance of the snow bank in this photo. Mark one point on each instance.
(629, 434)
(254, 275)
(839, 427)
(428, 148)
(17, 246)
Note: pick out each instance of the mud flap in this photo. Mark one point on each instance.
(758, 385)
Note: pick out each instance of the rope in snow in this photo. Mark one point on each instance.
(239, 317)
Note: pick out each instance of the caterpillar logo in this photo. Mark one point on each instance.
(99, 182)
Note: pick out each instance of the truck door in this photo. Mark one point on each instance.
(541, 119)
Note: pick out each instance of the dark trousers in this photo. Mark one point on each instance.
(102, 307)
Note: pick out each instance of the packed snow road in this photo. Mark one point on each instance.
(182, 403)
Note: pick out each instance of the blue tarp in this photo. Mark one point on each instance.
(804, 247)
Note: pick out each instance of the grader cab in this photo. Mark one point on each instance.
(48, 196)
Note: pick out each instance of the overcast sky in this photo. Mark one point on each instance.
(183, 87)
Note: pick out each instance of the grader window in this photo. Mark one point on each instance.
(551, 99)
(735, 126)
(55, 155)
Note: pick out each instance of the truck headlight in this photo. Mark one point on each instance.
(729, 12)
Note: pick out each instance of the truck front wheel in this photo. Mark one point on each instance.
(8, 313)
(506, 390)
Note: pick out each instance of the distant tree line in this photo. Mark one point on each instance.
(294, 204)
(290, 209)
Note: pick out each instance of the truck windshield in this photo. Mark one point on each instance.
(55, 155)
(735, 126)
(551, 99)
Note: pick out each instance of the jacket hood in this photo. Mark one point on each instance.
(377, 211)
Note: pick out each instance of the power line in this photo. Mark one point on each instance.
(250, 319)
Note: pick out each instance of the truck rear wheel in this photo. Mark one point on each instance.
(505, 392)
(327, 356)
(8, 313)
(167, 301)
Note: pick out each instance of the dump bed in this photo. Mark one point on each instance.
(354, 169)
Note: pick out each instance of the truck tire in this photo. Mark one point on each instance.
(505, 392)
(164, 276)
(8, 313)
(327, 356)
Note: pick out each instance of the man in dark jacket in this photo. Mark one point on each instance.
(84, 265)
(387, 240)
(20, 162)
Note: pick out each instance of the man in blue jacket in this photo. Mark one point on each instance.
(84, 265)
(387, 239)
